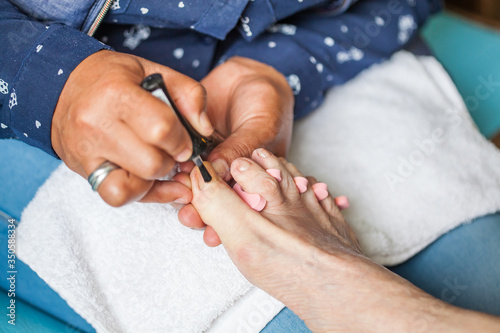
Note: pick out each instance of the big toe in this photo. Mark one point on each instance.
(220, 207)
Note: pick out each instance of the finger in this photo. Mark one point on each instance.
(186, 166)
(189, 217)
(168, 192)
(220, 208)
(189, 95)
(156, 124)
(120, 186)
(136, 156)
(210, 237)
(241, 143)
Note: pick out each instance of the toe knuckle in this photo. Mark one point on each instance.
(270, 186)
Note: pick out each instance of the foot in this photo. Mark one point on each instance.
(293, 236)
(300, 250)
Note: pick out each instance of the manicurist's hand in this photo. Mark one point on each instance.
(301, 251)
(252, 105)
(103, 114)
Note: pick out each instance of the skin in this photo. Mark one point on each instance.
(103, 114)
(303, 253)
(251, 104)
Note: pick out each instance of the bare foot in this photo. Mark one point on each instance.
(285, 244)
(302, 252)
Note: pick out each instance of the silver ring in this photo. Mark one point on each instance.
(97, 177)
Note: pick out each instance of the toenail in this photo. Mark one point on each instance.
(275, 173)
(321, 191)
(242, 165)
(263, 153)
(301, 183)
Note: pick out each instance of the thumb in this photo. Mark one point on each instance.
(241, 143)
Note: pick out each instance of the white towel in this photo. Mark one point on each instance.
(136, 269)
(399, 142)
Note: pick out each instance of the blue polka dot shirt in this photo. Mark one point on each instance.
(315, 44)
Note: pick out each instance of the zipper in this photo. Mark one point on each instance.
(99, 17)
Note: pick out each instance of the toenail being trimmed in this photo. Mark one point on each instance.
(301, 184)
(321, 191)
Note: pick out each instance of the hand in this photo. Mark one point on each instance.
(302, 252)
(252, 105)
(104, 114)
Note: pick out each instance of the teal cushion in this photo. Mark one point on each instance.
(470, 53)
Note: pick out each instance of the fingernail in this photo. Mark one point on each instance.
(205, 122)
(263, 153)
(220, 166)
(242, 164)
(184, 156)
(182, 201)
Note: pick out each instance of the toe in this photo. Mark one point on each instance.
(212, 200)
(299, 180)
(268, 161)
(324, 197)
(255, 181)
